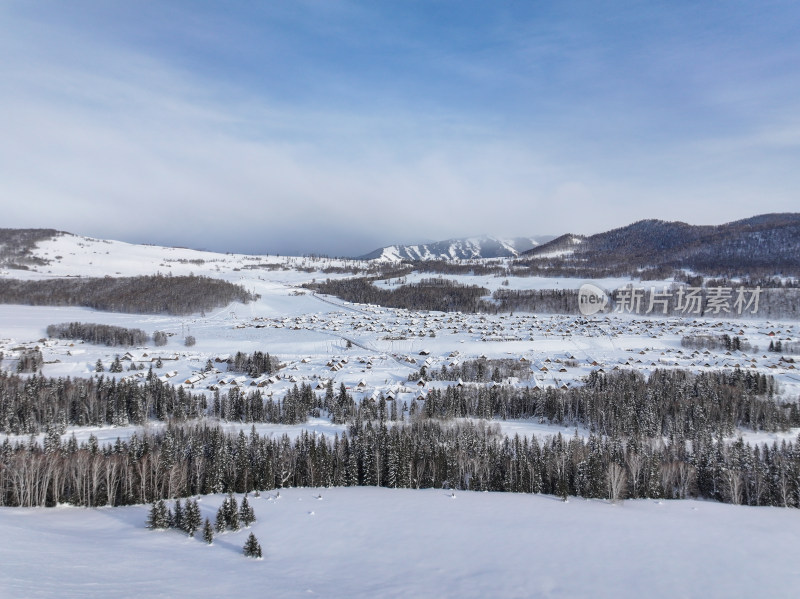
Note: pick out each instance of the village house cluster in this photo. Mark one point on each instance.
(374, 350)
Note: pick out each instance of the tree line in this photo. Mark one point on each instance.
(716, 342)
(656, 436)
(448, 296)
(100, 334)
(254, 364)
(32, 404)
(477, 371)
(35, 404)
(668, 403)
(428, 294)
(773, 302)
(182, 461)
(149, 294)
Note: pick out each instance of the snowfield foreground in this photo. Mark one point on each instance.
(374, 542)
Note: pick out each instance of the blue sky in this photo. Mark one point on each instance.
(337, 127)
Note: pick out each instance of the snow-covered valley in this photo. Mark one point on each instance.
(378, 542)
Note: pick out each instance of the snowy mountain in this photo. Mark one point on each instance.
(458, 249)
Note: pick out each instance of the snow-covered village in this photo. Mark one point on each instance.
(399, 299)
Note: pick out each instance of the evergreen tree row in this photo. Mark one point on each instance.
(254, 364)
(716, 342)
(100, 334)
(626, 403)
(186, 519)
(778, 299)
(296, 406)
(464, 455)
(35, 403)
(30, 405)
(477, 371)
(667, 403)
(784, 346)
(231, 517)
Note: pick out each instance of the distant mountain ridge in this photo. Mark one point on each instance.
(763, 245)
(768, 242)
(458, 249)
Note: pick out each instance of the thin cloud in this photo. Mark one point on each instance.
(114, 140)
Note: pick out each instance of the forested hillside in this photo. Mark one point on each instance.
(760, 246)
(16, 246)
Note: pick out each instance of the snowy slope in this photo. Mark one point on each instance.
(371, 542)
(74, 255)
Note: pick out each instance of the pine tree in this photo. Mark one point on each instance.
(351, 469)
(232, 513)
(116, 365)
(152, 517)
(252, 548)
(192, 518)
(178, 517)
(208, 532)
(246, 513)
(98, 366)
(158, 518)
(220, 525)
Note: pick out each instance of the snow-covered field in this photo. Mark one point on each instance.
(371, 542)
